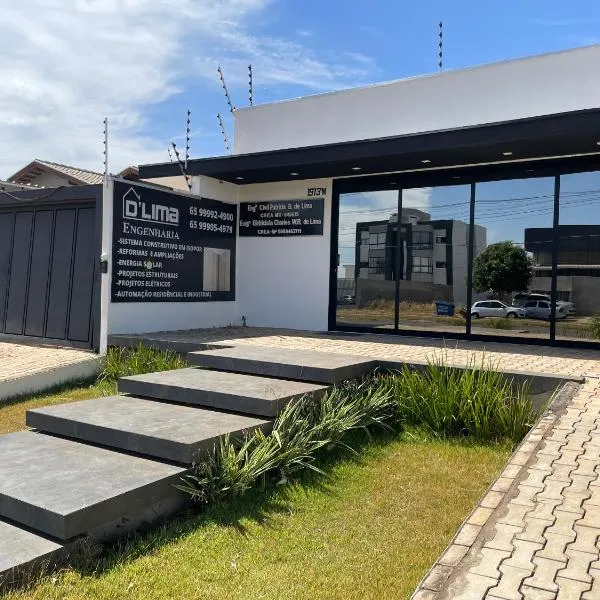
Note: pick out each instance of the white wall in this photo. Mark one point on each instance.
(284, 282)
(145, 317)
(539, 85)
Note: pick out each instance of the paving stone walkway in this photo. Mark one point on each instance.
(504, 356)
(544, 543)
(19, 360)
(39, 365)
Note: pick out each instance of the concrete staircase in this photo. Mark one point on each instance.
(105, 466)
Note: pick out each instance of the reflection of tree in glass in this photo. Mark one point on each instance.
(501, 269)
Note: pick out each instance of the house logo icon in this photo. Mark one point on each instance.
(136, 209)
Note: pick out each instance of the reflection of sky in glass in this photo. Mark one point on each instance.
(505, 208)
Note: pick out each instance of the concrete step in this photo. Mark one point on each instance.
(159, 429)
(64, 488)
(287, 363)
(21, 549)
(235, 392)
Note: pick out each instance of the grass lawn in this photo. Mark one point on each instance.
(370, 529)
(12, 414)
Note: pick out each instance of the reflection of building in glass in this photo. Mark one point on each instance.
(578, 257)
(433, 257)
(217, 270)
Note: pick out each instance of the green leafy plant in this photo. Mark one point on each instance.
(121, 362)
(501, 269)
(497, 323)
(595, 326)
(301, 431)
(478, 401)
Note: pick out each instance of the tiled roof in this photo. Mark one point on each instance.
(75, 175)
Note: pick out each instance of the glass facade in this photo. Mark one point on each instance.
(528, 246)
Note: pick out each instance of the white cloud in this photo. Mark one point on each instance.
(65, 64)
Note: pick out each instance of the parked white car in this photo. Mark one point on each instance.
(522, 299)
(540, 309)
(495, 308)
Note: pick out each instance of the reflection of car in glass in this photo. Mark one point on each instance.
(540, 309)
(495, 308)
(522, 298)
(348, 299)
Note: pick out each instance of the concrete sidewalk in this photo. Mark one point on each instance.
(33, 367)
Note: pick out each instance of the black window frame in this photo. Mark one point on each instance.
(419, 268)
(421, 245)
(468, 175)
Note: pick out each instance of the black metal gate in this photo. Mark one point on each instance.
(49, 275)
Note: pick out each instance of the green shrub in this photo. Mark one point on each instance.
(595, 326)
(302, 429)
(497, 323)
(120, 362)
(477, 401)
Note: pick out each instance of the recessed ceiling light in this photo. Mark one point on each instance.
(294, 174)
(598, 143)
(239, 177)
(425, 161)
(507, 154)
(356, 168)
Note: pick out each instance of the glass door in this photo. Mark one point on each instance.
(366, 273)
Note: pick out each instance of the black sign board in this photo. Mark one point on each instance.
(282, 218)
(171, 248)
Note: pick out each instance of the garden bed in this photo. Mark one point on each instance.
(358, 492)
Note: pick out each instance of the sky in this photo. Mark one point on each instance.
(66, 64)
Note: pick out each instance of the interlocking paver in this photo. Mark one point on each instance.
(534, 530)
(531, 593)
(578, 565)
(509, 583)
(585, 467)
(586, 540)
(544, 574)
(503, 537)
(536, 478)
(544, 510)
(591, 518)
(523, 554)
(564, 523)
(570, 589)
(515, 514)
(594, 592)
(475, 587)
(489, 563)
(555, 547)
(569, 457)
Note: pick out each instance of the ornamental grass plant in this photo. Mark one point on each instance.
(478, 402)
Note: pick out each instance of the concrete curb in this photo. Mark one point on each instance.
(44, 380)
(477, 522)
